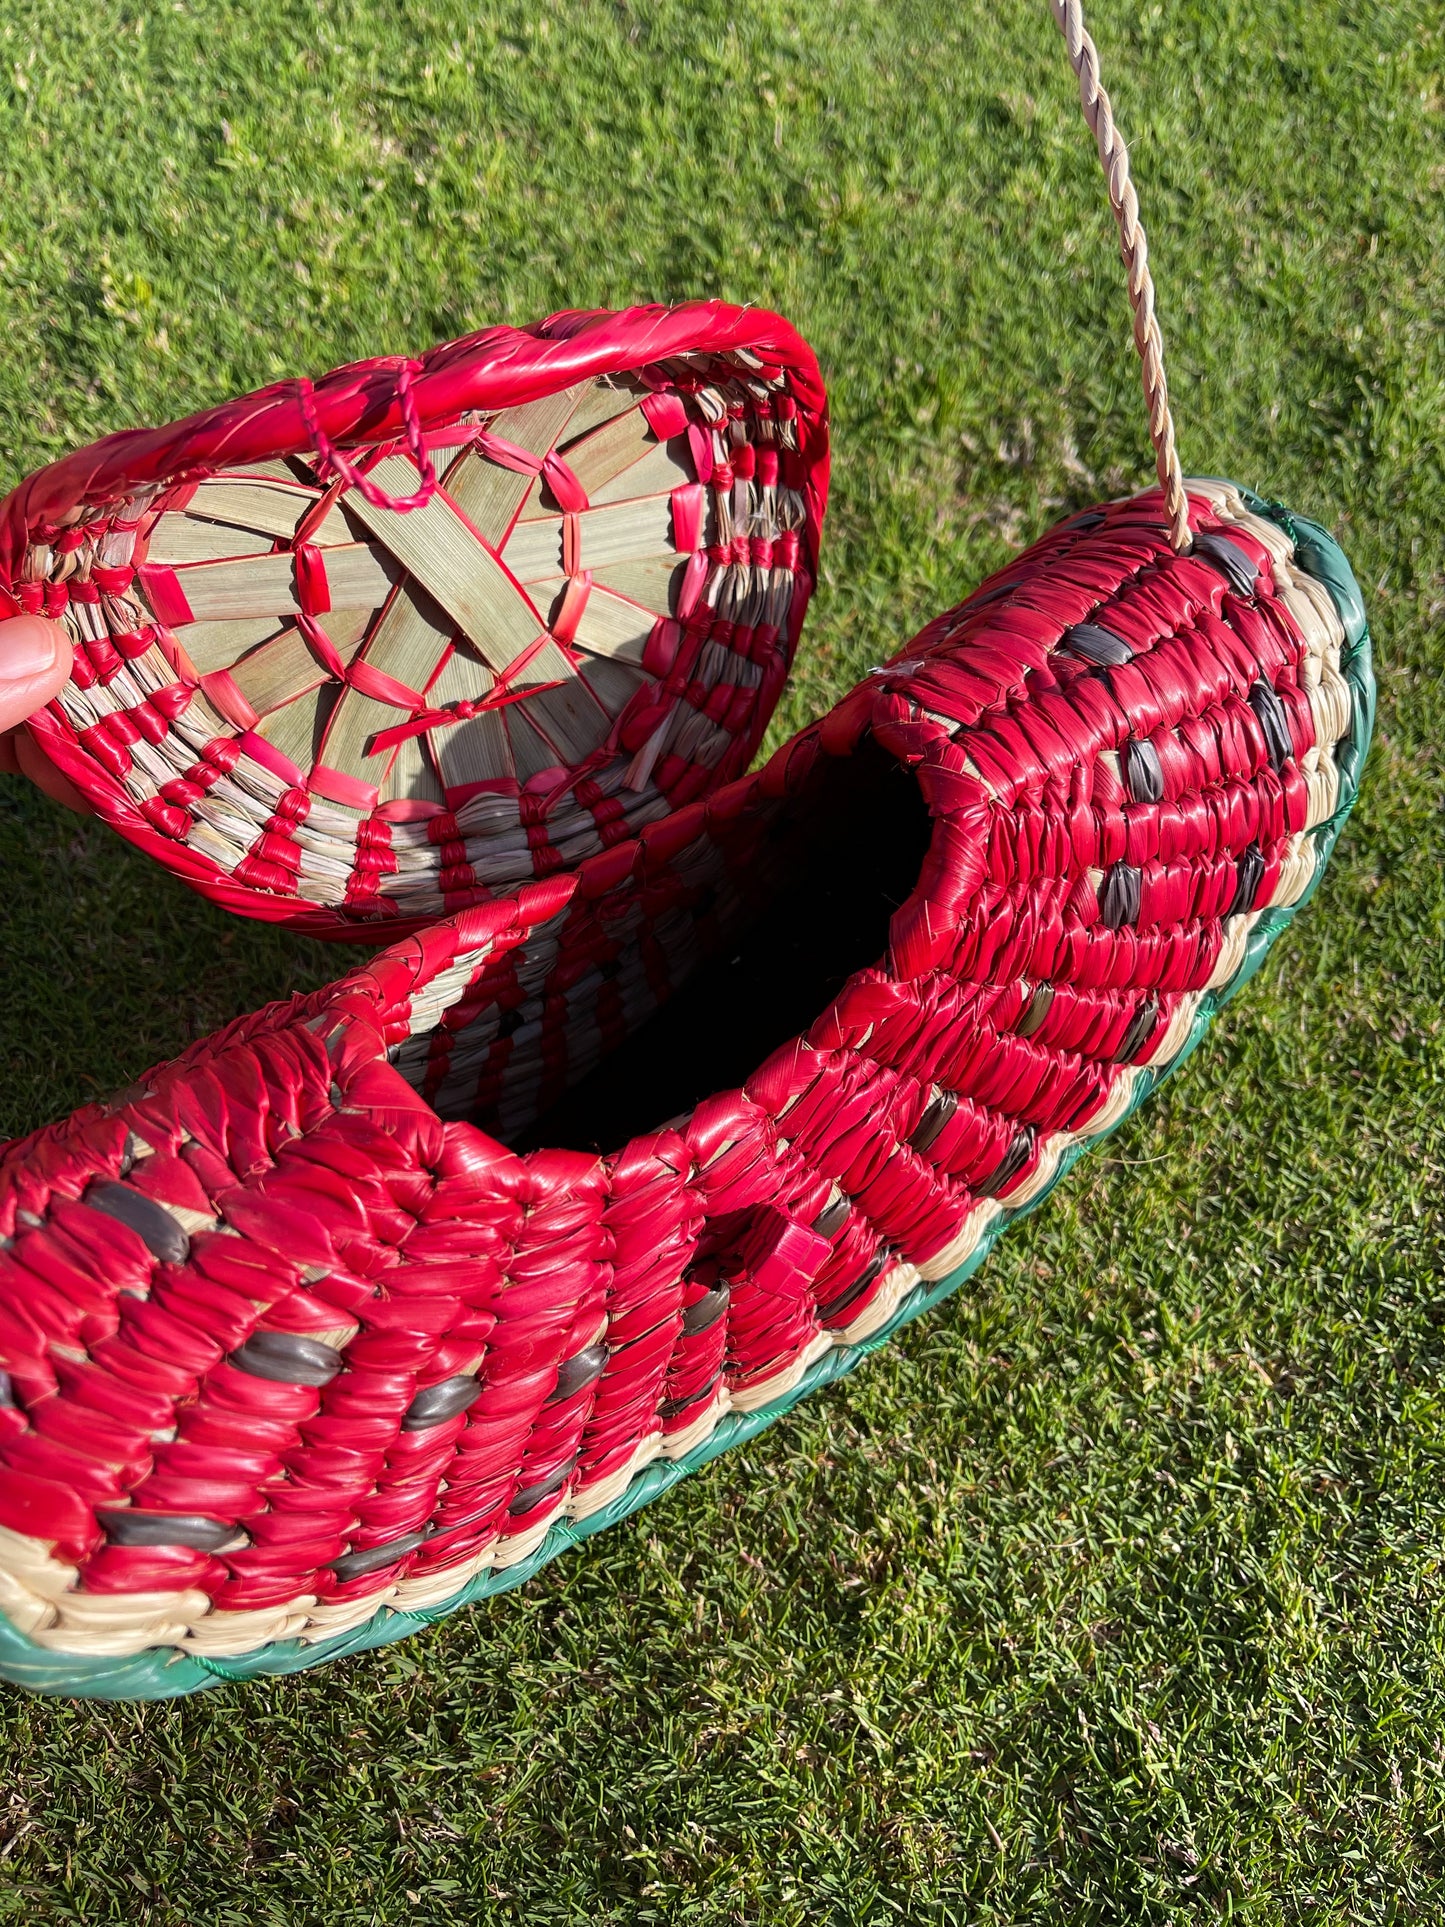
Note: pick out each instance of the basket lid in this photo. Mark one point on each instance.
(354, 656)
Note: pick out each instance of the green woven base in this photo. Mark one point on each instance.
(166, 1674)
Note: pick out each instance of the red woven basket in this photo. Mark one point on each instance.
(362, 654)
(357, 1311)
(294, 1357)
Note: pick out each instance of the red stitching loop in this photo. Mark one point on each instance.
(334, 464)
(321, 646)
(313, 590)
(368, 680)
(566, 488)
(499, 696)
(457, 712)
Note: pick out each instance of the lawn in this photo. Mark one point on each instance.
(1114, 1591)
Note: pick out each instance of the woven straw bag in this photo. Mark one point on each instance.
(357, 655)
(295, 1360)
(342, 1319)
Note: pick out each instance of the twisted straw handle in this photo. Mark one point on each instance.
(1084, 57)
(333, 464)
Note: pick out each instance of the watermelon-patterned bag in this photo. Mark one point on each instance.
(364, 1307)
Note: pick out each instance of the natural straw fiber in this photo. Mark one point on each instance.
(302, 1344)
(356, 656)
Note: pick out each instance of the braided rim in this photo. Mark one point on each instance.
(164, 1673)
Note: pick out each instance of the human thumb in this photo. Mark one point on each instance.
(34, 663)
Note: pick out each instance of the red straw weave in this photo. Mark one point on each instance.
(551, 593)
(280, 1343)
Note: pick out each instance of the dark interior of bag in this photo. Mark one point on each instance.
(842, 856)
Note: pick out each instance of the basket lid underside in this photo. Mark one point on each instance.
(323, 710)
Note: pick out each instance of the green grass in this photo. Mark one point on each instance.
(1114, 1591)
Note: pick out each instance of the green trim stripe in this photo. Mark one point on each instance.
(165, 1673)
